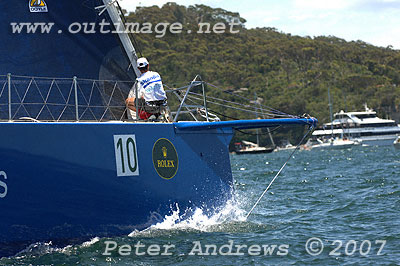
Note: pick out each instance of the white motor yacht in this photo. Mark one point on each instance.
(362, 127)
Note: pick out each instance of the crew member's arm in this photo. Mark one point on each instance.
(131, 101)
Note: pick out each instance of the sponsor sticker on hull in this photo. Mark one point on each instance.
(37, 6)
(165, 159)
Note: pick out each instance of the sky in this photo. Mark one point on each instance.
(374, 21)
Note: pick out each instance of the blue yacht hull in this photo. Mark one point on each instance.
(65, 181)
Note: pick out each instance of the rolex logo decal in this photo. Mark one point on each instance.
(165, 152)
(37, 6)
(165, 159)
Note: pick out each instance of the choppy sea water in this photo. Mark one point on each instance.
(328, 207)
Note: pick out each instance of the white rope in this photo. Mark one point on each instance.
(280, 170)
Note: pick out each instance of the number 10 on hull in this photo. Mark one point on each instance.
(126, 156)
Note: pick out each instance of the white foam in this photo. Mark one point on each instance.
(41, 248)
(198, 220)
(90, 242)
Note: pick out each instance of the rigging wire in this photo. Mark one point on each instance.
(280, 170)
(237, 95)
(262, 108)
(223, 100)
(226, 116)
(239, 109)
(257, 109)
(235, 118)
(242, 97)
(243, 132)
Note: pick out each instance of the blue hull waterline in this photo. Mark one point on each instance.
(62, 181)
(65, 181)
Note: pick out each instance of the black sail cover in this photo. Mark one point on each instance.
(42, 64)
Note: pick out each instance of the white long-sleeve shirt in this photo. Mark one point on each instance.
(150, 87)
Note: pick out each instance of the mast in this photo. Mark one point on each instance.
(258, 137)
(330, 110)
(270, 137)
(126, 43)
(269, 132)
(123, 36)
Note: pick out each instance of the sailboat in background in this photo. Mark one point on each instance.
(248, 147)
(332, 141)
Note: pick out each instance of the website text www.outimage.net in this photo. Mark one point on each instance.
(104, 27)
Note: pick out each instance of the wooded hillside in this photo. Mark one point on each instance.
(290, 73)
